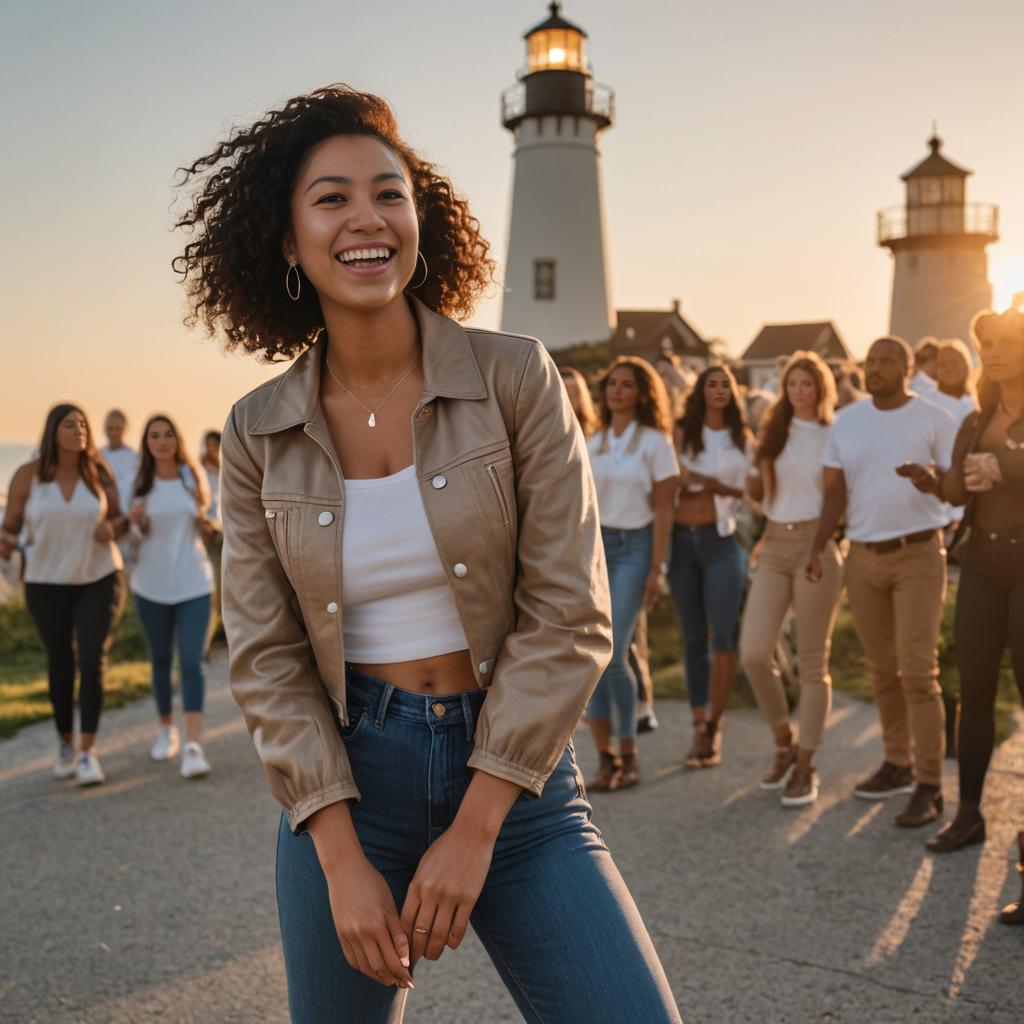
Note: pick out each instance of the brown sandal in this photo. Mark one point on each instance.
(629, 776)
(609, 771)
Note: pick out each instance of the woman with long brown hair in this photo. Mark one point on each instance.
(707, 571)
(172, 582)
(67, 501)
(955, 379)
(635, 473)
(415, 596)
(789, 478)
(987, 475)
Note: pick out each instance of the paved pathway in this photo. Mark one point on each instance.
(152, 899)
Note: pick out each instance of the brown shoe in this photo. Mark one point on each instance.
(889, 780)
(923, 807)
(963, 830)
(711, 749)
(1013, 913)
(785, 758)
(608, 771)
(801, 790)
(629, 776)
(696, 744)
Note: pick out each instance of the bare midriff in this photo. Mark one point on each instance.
(695, 508)
(441, 675)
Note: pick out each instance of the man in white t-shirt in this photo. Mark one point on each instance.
(896, 568)
(122, 460)
(123, 463)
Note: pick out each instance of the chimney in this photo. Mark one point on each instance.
(676, 307)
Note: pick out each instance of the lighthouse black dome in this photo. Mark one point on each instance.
(554, 21)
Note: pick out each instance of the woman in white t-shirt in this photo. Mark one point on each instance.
(635, 473)
(955, 377)
(172, 582)
(789, 480)
(707, 571)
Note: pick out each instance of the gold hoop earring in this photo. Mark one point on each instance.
(426, 272)
(293, 265)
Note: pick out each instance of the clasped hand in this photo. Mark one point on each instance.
(440, 899)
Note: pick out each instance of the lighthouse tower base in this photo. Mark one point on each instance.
(937, 291)
(556, 277)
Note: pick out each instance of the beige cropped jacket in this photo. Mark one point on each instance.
(503, 471)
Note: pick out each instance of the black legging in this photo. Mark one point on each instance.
(989, 613)
(90, 612)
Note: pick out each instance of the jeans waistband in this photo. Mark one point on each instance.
(384, 699)
(703, 529)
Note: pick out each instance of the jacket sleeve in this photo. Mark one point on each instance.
(273, 673)
(549, 665)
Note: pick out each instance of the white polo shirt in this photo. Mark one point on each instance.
(868, 444)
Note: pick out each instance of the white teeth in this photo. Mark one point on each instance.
(364, 254)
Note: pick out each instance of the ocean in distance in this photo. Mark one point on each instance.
(11, 457)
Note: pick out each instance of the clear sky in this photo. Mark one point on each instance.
(754, 142)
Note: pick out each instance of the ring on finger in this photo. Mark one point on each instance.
(422, 931)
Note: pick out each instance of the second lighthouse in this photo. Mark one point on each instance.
(556, 275)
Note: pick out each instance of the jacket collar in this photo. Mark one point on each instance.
(450, 370)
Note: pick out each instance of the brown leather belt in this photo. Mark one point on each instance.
(884, 547)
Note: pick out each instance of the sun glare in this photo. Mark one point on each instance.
(1007, 276)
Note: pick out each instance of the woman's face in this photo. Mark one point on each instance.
(354, 230)
(73, 433)
(717, 390)
(951, 370)
(621, 391)
(802, 391)
(161, 440)
(1002, 353)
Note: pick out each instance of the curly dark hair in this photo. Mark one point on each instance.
(691, 422)
(233, 268)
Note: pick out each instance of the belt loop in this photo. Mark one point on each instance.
(382, 705)
(467, 714)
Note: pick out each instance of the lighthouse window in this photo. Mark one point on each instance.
(543, 279)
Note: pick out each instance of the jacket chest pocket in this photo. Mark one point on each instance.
(277, 524)
(492, 480)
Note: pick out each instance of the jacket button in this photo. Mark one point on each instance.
(459, 569)
(271, 515)
(485, 667)
(439, 481)
(439, 709)
(423, 413)
(332, 608)
(325, 518)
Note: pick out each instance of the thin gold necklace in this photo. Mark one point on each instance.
(372, 421)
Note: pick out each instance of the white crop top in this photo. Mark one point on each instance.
(61, 547)
(396, 601)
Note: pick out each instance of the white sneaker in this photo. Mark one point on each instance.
(88, 771)
(65, 766)
(193, 762)
(166, 744)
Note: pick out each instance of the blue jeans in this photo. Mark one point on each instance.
(189, 620)
(628, 554)
(554, 914)
(707, 575)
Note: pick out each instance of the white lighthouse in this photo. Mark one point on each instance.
(937, 240)
(556, 274)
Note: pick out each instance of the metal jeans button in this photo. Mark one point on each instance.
(439, 709)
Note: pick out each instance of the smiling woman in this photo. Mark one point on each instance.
(415, 594)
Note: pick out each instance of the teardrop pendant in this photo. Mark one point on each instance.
(373, 419)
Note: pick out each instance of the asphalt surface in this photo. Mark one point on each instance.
(152, 899)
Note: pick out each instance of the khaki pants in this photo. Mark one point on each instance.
(778, 585)
(897, 600)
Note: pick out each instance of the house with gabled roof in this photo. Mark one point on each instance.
(775, 343)
(648, 332)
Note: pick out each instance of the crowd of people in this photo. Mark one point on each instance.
(863, 491)
(412, 682)
(88, 525)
